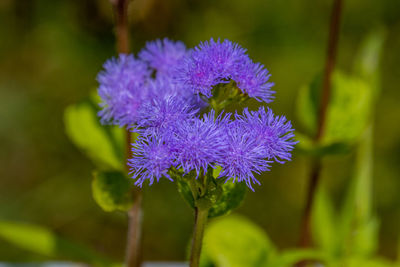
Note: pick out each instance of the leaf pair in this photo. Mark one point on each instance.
(103, 144)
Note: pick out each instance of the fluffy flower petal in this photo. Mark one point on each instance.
(199, 143)
(275, 133)
(163, 55)
(243, 156)
(151, 159)
(121, 88)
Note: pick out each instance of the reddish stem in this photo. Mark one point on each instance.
(133, 246)
(316, 166)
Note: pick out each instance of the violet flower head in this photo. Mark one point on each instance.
(209, 64)
(163, 55)
(275, 133)
(252, 79)
(198, 143)
(151, 159)
(216, 62)
(243, 156)
(121, 88)
(161, 114)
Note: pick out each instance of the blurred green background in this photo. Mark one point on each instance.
(51, 51)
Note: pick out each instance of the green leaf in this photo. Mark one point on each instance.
(231, 198)
(358, 225)
(234, 241)
(184, 189)
(364, 262)
(308, 105)
(366, 64)
(289, 258)
(43, 241)
(112, 190)
(324, 223)
(308, 147)
(102, 144)
(349, 110)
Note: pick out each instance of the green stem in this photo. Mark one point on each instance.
(201, 216)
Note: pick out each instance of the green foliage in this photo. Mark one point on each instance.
(348, 112)
(218, 196)
(43, 241)
(350, 234)
(307, 146)
(102, 144)
(289, 258)
(231, 197)
(357, 215)
(324, 224)
(366, 63)
(351, 104)
(112, 190)
(369, 262)
(353, 230)
(234, 241)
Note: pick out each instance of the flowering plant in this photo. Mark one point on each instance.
(174, 99)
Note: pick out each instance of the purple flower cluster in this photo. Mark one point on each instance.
(216, 62)
(242, 146)
(128, 86)
(159, 95)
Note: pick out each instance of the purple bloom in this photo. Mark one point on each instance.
(252, 79)
(161, 114)
(243, 156)
(198, 143)
(122, 89)
(275, 133)
(151, 159)
(163, 55)
(209, 64)
(213, 63)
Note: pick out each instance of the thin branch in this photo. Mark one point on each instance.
(316, 166)
(133, 244)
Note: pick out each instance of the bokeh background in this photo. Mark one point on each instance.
(51, 51)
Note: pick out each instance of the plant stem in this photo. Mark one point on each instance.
(200, 216)
(316, 166)
(133, 244)
(132, 258)
(121, 25)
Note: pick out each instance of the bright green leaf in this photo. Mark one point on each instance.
(184, 190)
(231, 198)
(363, 262)
(112, 190)
(43, 241)
(366, 64)
(234, 241)
(308, 147)
(308, 105)
(324, 223)
(349, 110)
(103, 144)
(358, 226)
(289, 258)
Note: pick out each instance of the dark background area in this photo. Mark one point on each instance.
(51, 51)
